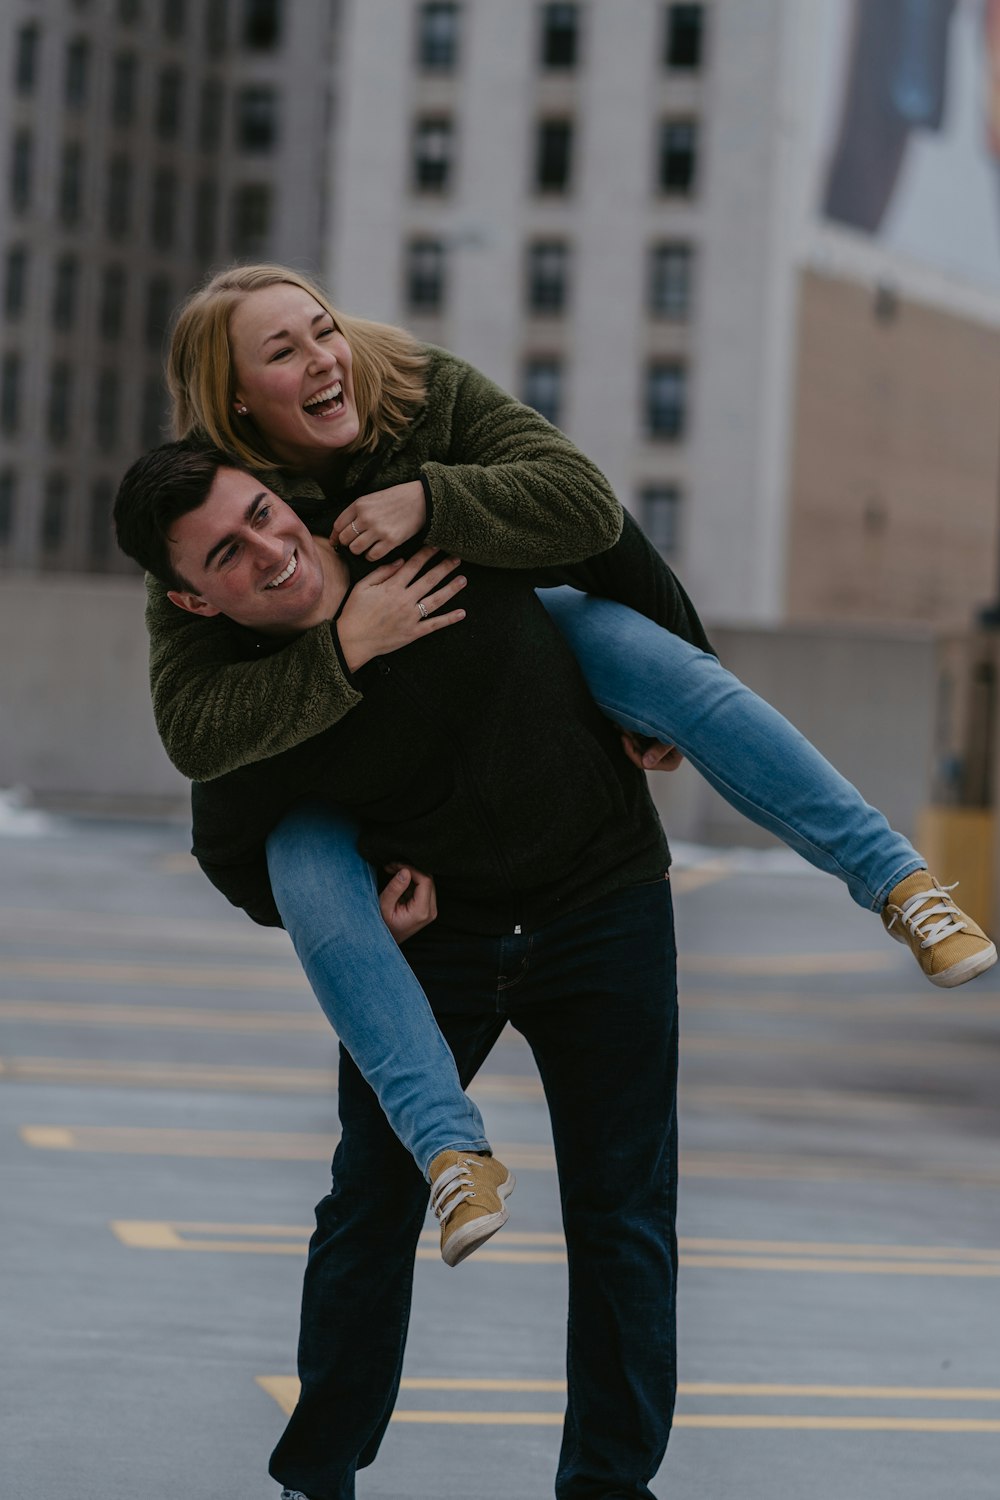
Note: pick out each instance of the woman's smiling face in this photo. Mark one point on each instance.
(293, 374)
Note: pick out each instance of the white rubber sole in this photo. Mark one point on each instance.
(464, 1241)
(976, 963)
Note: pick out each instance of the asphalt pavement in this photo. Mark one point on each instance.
(167, 1113)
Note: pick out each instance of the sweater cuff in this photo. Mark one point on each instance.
(425, 485)
(338, 649)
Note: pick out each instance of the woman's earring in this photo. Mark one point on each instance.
(241, 411)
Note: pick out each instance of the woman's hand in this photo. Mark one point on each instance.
(648, 756)
(383, 520)
(392, 607)
(408, 902)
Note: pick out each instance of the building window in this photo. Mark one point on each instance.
(659, 510)
(670, 274)
(163, 212)
(251, 218)
(542, 387)
(111, 312)
(15, 282)
(261, 24)
(432, 154)
(118, 210)
(168, 104)
(553, 156)
(26, 59)
(77, 70)
(560, 36)
(666, 399)
(54, 514)
(206, 207)
(100, 532)
(256, 118)
(10, 393)
(124, 77)
(64, 292)
(685, 37)
(215, 27)
(21, 158)
(151, 422)
(60, 401)
(548, 276)
(8, 501)
(678, 148)
(210, 114)
(425, 273)
(106, 409)
(159, 301)
(71, 183)
(437, 37)
(173, 18)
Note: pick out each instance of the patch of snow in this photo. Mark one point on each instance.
(20, 821)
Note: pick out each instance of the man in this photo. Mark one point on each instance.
(476, 754)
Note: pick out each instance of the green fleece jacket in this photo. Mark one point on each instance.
(506, 489)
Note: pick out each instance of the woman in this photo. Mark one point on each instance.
(414, 443)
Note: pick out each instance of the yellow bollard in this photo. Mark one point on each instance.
(957, 843)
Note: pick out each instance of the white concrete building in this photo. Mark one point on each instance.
(143, 143)
(618, 209)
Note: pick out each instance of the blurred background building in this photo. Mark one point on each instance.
(746, 252)
(144, 141)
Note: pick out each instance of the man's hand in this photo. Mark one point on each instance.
(650, 757)
(383, 520)
(408, 902)
(392, 607)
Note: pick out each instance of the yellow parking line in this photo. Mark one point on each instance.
(176, 976)
(886, 1053)
(787, 963)
(519, 1247)
(169, 1017)
(170, 1075)
(283, 1389)
(261, 1078)
(854, 1007)
(293, 1146)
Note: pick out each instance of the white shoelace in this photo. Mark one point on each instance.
(448, 1194)
(920, 920)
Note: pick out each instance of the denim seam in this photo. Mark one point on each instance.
(876, 898)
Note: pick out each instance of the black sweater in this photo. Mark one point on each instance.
(476, 754)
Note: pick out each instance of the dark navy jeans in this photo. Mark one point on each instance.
(594, 994)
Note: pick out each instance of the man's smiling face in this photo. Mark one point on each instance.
(244, 553)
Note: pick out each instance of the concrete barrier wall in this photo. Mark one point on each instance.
(867, 698)
(76, 727)
(75, 720)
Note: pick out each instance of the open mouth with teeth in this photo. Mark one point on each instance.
(326, 401)
(286, 572)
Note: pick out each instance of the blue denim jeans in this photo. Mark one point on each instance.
(649, 681)
(594, 994)
(328, 901)
(654, 683)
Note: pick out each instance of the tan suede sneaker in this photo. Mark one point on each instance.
(948, 945)
(468, 1192)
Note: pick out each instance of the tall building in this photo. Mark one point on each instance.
(638, 215)
(144, 143)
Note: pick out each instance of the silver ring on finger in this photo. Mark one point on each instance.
(354, 526)
(421, 609)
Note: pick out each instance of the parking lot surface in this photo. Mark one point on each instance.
(167, 1114)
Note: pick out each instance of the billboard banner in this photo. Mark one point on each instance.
(911, 129)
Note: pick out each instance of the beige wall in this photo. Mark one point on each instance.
(894, 487)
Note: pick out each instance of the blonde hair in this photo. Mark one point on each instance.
(389, 367)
